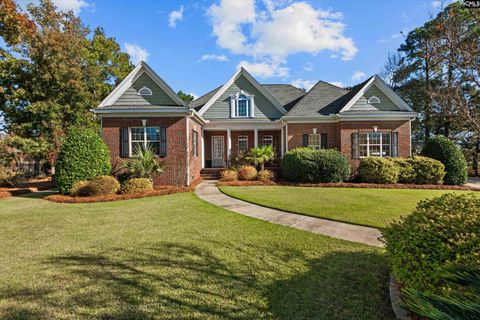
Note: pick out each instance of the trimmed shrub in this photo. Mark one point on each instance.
(136, 185)
(83, 156)
(441, 231)
(407, 173)
(229, 175)
(427, 170)
(79, 188)
(444, 150)
(378, 170)
(307, 165)
(247, 173)
(101, 186)
(264, 175)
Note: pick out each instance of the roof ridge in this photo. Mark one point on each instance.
(303, 97)
(331, 84)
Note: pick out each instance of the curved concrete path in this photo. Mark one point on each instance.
(208, 191)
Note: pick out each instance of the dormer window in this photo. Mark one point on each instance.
(242, 105)
(145, 92)
(373, 100)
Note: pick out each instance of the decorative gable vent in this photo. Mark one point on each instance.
(145, 92)
(373, 100)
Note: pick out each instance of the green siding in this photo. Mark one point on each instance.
(264, 109)
(385, 103)
(130, 97)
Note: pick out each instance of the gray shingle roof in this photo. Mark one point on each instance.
(198, 103)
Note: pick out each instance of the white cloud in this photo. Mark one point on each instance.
(358, 75)
(304, 84)
(270, 36)
(264, 69)
(175, 16)
(436, 4)
(136, 52)
(308, 67)
(195, 96)
(64, 5)
(210, 57)
(337, 83)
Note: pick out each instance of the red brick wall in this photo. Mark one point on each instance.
(195, 161)
(276, 139)
(175, 161)
(235, 134)
(297, 130)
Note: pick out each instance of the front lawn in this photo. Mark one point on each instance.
(176, 256)
(370, 207)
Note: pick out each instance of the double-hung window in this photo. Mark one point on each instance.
(314, 141)
(242, 144)
(194, 143)
(145, 137)
(376, 144)
(242, 105)
(267, 140)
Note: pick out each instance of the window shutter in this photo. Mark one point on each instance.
(394, 144)
(232, 107)
(163, 141)
(252, 107)
(355, 151)
(323, 141)
(305, 140)
(124, 145)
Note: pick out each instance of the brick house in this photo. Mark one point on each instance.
(367, 120)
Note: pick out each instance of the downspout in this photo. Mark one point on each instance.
(188, 144)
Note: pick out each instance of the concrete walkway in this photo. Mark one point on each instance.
(208, 191)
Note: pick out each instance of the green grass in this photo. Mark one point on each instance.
(176, 257)
(370, 207)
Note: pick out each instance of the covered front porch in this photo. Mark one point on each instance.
(221, 146)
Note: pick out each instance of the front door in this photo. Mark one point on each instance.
(218, 149)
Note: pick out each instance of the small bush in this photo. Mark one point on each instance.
(247, 173)
(101, 186)
(441, 231)
(407, 173)
(445, 151)
(378, 170)
(136, 185)
(264, 175)
(83, 156)
(9, 177)
(79, 189)
(427, 170)
(229, 175)
(307, 165)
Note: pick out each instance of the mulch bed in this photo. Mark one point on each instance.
(346, 185)
(159, 191)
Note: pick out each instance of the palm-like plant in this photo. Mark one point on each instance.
(260, 155)
(145, 164)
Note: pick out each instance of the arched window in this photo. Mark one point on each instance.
(243, 106)
(145, 92)
(373, 100)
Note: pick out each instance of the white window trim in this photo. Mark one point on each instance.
(373, 100)
(381, 144)
(148, 91)
(312, 146)
(145, 141)
(234, 112)
(243, 138)
(270, 138)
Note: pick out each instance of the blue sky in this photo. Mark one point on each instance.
(197, 45)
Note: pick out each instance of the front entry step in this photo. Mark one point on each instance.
(211, 173)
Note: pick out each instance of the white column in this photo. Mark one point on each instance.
(229, 143)
(282, 141)
(203, 148)
(286, 137)
(255, 138)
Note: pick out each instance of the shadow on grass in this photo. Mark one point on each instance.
(172, 281)
(37, 195)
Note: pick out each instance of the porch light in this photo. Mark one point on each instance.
(314, 130)
(375, 128)
(144, 122)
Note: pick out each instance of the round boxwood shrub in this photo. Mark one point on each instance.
(307, 165)
(101, 186)
(79, 188)
(136, 185)
(378, 170)
(444, 150)
(441, 231)
(427, 170)
(83, 156)
(228, 175)
(407, 173)
(247, 173)
(264, 175)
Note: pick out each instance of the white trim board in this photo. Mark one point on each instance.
(230, 82)
(140, 69)
(382, 86)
